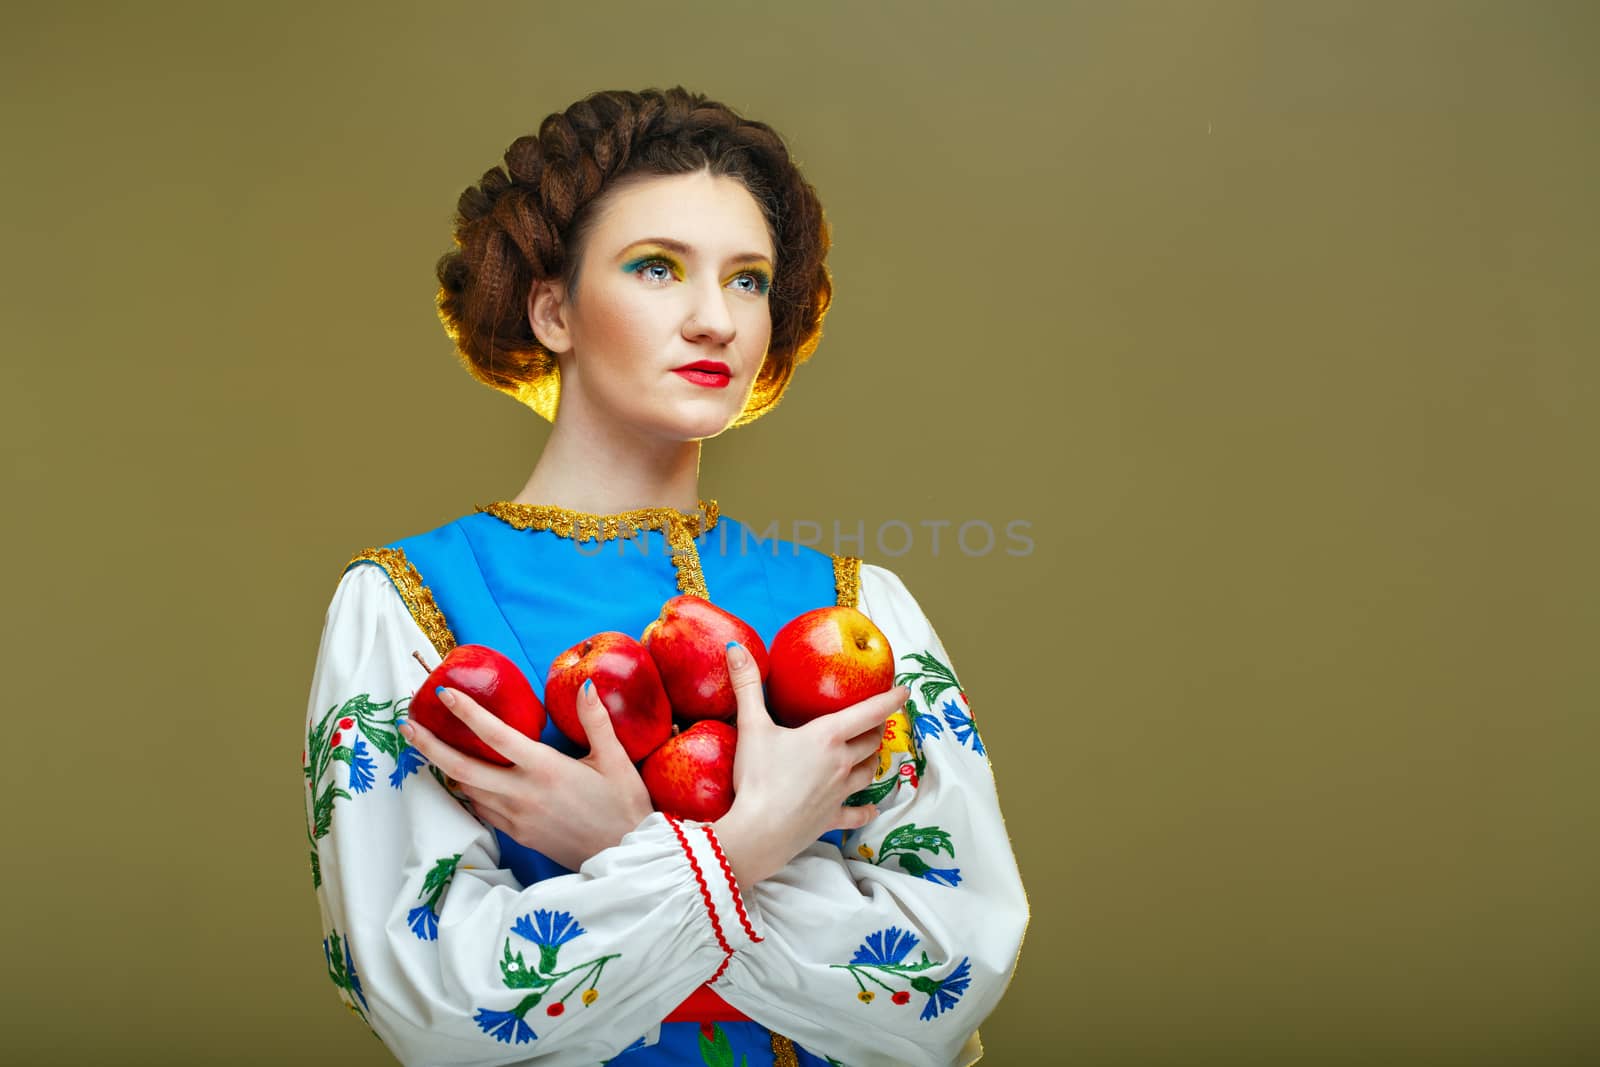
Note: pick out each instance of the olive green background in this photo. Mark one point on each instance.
(1277, 322)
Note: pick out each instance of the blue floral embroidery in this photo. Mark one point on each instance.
(424, 923)
(504, 1026)
(424, 918)
(638, 1044)
(943, 994)
(884, 960)
(961, 725)
(950, 876)
(548, 928)
(405, 765)
(362, 767)
(350, 968)
(351, 980)
(885, 947)
(925, 725)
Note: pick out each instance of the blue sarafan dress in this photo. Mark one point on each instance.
(456, 944)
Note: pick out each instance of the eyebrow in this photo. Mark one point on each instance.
(685, 250)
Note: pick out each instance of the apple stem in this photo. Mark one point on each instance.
(425, 668)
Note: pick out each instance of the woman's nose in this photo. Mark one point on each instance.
(710, 318)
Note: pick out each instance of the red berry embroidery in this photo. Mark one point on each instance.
(346, 723)
(334, 740)
(555, 1009)
(901, 997)
(708, 1031)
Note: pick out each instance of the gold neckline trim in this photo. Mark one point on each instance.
(585, 526)
(679, 527)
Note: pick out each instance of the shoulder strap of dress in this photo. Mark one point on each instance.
(417, 596)
(847, 581)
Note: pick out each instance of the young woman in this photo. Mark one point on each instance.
(646, 272)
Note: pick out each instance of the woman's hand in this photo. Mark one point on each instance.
(569, 809)
(790, 785)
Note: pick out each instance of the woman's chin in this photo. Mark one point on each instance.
(697, 420)
(693, 424)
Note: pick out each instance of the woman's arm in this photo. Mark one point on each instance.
(439, 950)
(893, 952)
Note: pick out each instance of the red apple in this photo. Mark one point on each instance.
(825, 660)
(689, 643)
(691, 774)
(629, 686)
(493, 681)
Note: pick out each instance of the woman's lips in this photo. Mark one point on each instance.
(710, 379)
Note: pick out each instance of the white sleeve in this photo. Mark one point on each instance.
(894, 951)
(443, 954)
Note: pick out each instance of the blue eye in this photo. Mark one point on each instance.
(645, 266)
(760, 282)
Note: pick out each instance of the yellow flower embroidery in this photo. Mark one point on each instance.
(865, 996)
(896, 738)
(590, 996)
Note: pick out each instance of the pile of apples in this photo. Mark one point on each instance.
(669, 693)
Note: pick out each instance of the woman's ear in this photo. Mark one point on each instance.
(547, 316)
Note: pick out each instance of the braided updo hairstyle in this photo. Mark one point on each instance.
(527, 221)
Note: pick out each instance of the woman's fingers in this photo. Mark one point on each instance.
(861, 775)
(746, 679)
(486, 808)
(855, 818)
(865, 746)
(604, 748)
(510, 742)
(455, 764)
(869, 714)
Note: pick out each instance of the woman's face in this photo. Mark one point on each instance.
(674, 272)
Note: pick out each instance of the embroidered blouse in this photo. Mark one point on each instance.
(456, 944)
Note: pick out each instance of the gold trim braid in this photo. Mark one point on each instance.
(679, 527)
(847, 580)
(417, 596)
(584, 526)
(783, 1054)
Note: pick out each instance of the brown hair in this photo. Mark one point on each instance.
(527, 221)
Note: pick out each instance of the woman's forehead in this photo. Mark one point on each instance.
(699, 214)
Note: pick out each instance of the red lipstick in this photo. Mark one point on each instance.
(707, 372)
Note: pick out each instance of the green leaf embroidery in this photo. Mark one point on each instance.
(321, 754)
(931, 665)
(873, 793)
(518, 975)
(316, 861)
(911, 863)
(717, 1051)
(341, 977)
(911, 837)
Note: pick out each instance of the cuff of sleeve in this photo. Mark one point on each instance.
(730, 920)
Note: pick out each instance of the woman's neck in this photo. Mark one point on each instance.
(607, 474)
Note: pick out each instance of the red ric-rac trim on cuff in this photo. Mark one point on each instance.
(733, 886)
(705, 892)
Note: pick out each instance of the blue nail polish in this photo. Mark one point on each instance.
(438, 691)
(732, 643)
(588, 686)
